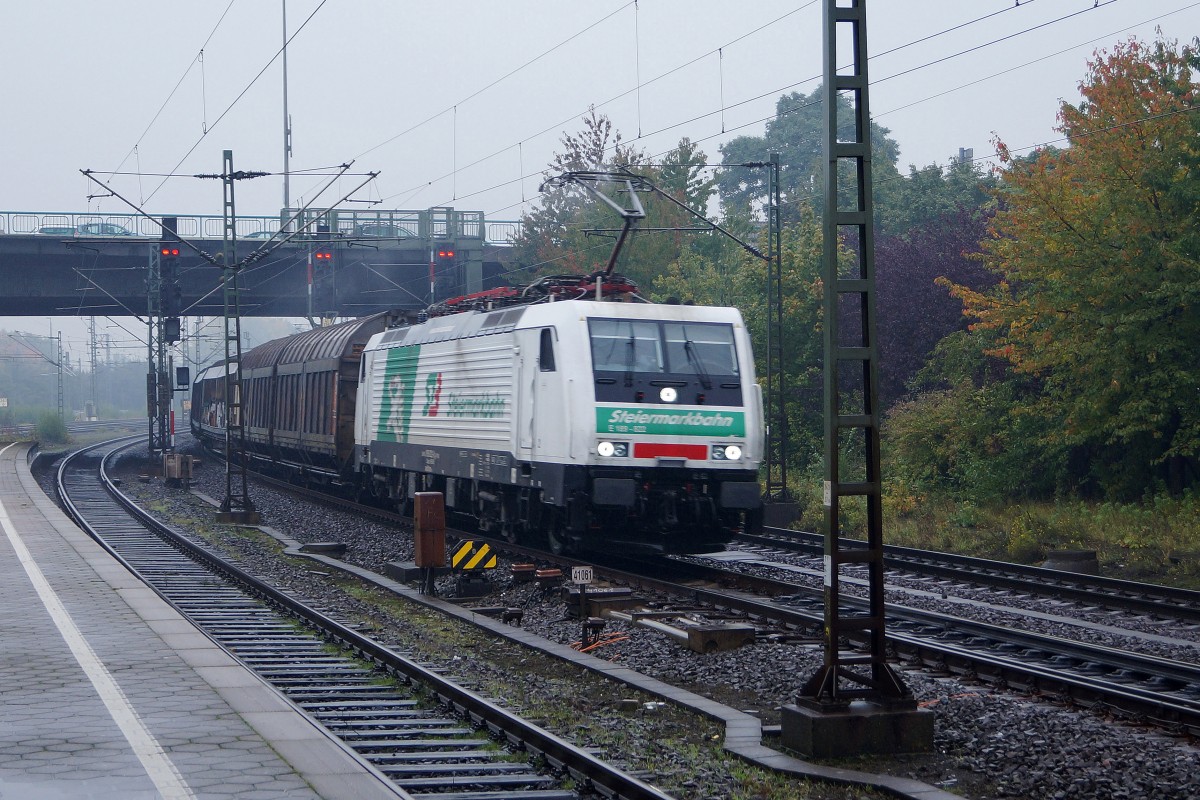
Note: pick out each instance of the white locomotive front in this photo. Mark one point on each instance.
(583, 424)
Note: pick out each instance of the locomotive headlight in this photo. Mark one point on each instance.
(668, 394)
(612, 449)
(722, 452)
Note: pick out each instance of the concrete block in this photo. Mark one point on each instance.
(1081, 561)
(780, 515)
(523, 573)
(714, 638)
(860, 729)
(616, 598)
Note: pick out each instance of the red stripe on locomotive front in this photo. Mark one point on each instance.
(696, 452)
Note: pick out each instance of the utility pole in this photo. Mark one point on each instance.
(777, 428)
(95, 401)
(287, 124)
(59, 363)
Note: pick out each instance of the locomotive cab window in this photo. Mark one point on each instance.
(546, 351)
(677, 348)
(705, 349)
(620, 345)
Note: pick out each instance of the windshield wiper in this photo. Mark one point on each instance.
(690, 349)
(630, 360)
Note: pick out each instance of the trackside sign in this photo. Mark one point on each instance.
(670, 422)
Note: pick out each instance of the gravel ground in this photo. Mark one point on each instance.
(987, 744)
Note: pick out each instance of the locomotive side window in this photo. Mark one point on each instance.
(546, 351)
(705, 349)
(620, 345)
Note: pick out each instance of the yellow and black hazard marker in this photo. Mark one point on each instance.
(473, 555)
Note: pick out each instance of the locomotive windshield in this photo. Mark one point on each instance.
(701, 349)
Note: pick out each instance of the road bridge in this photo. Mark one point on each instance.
(98, 265)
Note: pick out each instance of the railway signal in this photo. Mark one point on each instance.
(170, 293)
(322, 298)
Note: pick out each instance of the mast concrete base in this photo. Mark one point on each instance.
(861, 728)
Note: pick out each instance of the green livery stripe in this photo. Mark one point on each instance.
(670, 422)
(399, 387)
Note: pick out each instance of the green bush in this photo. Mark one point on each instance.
(51, 428)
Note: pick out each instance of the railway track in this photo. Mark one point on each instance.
(1158, 691)
(25, 430)
(1163, 602)
(1143, 688)
(435, 739)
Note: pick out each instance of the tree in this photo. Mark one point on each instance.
(552, 239)
(1098, 255)
(932, 193)
(557, 236)
(967, 429)
(797, 134)
(913, 313)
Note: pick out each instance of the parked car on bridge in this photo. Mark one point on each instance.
(103, 229)
(380, 230)
(86, 229)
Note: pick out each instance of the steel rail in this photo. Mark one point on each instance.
(1176, 708)
(1092, 675)
(1142, 598)
(560, 754)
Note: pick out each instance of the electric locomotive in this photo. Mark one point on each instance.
(580, 423)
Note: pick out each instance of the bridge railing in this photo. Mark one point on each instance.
(427, 224)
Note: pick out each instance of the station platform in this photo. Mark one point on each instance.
(107, 692)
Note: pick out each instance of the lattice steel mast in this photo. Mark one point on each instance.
(237, 505)
(852, 414)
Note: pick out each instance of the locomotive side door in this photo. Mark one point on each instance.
(551, 406)
(524, 388)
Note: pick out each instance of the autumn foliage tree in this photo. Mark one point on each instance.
(1096, 248)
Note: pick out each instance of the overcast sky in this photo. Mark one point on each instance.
(463, 103)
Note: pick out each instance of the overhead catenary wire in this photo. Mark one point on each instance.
(178, 83)
(603, 103)
(239, 97)
(927, 64)
(496, 82)
(720, 53)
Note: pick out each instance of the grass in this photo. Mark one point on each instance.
(1157, 540)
